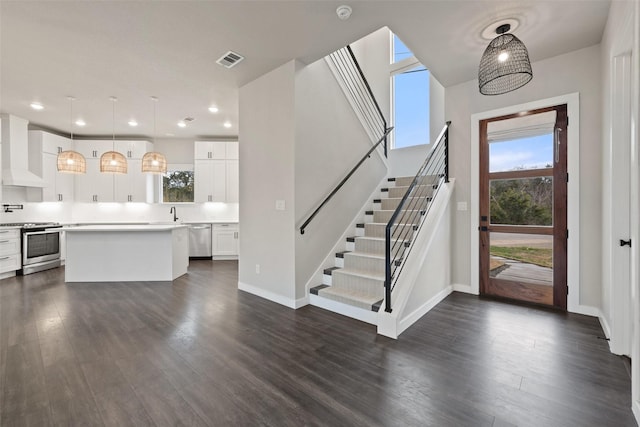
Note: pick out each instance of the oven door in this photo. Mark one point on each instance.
(40, 246)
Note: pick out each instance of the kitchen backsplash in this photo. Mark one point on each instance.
(118, 212)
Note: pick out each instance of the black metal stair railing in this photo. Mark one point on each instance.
(363, 100)
(407, 220)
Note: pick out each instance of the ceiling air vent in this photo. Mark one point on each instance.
(230, 59)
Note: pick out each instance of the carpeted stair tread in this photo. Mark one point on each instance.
(362, 274)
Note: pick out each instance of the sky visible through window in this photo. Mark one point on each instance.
(411, 101)
(523, 153)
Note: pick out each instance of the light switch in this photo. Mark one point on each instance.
(280, 205)
(462, 206)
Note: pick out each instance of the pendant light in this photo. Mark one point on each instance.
(71, 161)
(112, 161)
(153, 162)
(505, 64)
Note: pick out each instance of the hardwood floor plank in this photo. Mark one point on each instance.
(199, 352)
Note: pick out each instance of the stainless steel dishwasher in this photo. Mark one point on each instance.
(200, 241)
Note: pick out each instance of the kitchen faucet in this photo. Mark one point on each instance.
(174, 212)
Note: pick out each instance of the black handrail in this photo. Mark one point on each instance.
(434, 169)
(339, 186)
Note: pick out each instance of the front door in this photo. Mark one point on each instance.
(523, 206)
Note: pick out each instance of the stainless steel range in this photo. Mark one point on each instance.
(40, 242)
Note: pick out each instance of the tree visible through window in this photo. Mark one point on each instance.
(177, 186)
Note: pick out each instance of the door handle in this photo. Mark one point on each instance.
(558, 130)
(625, 242)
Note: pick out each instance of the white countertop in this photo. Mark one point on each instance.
(122, 227)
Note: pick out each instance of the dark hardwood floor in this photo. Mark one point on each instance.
(200, 352)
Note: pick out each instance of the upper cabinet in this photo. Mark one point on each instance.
(43, 161)
(216, 171)
(95, 186)
(210, 150)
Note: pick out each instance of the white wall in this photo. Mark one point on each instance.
(267, 143)
(577, 71)
(329, 141)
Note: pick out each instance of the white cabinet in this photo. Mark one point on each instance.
(95, 186)
(43, 161)
(216, 178)
(224, 241)
(133, 149)
(210, 150)
(133, 186)
(9, 252)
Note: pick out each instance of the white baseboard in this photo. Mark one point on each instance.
(605, 325)
(635, 407)
(360, 314)
(413, 317)
(271, 296)
(587, 310)
(458, 287)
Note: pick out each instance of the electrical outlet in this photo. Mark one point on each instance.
(462, 206)
(257, 268)
(280, 205)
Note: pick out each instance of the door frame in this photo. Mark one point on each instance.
(573, 193)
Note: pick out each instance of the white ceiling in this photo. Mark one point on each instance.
(137, 49)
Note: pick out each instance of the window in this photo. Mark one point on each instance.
(177, 185)
(410, 98)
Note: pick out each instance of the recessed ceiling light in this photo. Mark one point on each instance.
(37, 106)
(133, 123)
(227, 124)
(182, 124)
(80, 122)
(213, 109)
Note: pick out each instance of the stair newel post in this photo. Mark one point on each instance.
(387, 275)
(446, 153)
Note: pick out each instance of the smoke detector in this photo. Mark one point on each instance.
(230, 59)
(343, 12)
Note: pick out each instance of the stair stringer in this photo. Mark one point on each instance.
(426, 277)
(329, 260)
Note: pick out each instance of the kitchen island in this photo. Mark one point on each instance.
(126, 253)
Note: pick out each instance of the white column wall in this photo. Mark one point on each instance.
(576, 71)
(267, 141)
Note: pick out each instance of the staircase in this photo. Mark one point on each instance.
(357, 279)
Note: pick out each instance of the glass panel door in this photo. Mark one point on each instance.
(523, 213)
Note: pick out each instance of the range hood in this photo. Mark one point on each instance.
(15, 153)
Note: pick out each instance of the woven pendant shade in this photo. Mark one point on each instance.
(71, 162)
(153, 162)
(113, 162)
(505, 65)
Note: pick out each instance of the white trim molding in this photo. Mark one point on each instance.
(271, 296)
(573, 198)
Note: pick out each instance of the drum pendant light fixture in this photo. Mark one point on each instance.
(70, 161)
(112, 161)
(153, 162)
(505, 64)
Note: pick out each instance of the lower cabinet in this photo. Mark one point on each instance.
(224, 243)
(10, 252)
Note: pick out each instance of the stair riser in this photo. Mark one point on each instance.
(370, 246)
(406, 181)
(327, 279)
(399, 192)
(365, 264)
(371, 287)
(378, 230)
